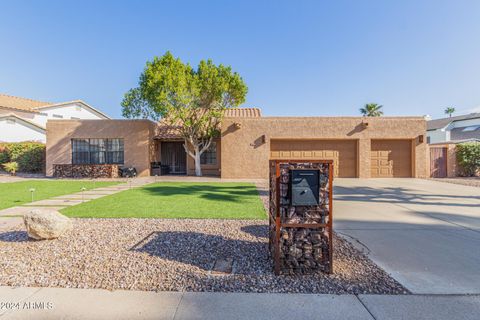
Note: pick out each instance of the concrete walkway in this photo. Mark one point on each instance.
(425, 233)
(56, 303)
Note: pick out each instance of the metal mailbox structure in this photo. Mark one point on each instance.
(300, 216)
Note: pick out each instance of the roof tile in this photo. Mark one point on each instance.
(18, 103)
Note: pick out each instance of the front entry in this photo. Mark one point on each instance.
(173, 155)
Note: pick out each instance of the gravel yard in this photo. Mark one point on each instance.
(466, 181)
(168, 254)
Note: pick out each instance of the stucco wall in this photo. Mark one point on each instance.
(244, 155)
(137, 135)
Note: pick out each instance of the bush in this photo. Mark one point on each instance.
(30, 156)
(11, 167)
(468, 157)
(4, 157)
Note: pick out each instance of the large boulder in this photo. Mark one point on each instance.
(46, 224)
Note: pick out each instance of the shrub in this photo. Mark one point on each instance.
(11, 167)
(4, 156)
(30, 156)
(468, 157)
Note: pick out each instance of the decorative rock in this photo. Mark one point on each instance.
(46, 224)
(176, 255)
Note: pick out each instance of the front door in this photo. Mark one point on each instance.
(173, 155)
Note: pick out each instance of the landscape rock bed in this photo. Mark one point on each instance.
(174, 255)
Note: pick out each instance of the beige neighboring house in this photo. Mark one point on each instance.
(23, 119)
(360, 147)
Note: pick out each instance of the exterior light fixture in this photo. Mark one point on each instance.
(32, 191)
(83, 191)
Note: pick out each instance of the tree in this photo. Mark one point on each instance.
(372, 110)
(196, 98)
(449, 111)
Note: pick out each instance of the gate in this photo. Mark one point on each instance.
(438, 162)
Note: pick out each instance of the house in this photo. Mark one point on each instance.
(360, 147)
(24, 119)
(454, 129)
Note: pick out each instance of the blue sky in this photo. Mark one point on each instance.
(297, 57)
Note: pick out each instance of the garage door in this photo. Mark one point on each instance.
(391, 158)
(342, 152)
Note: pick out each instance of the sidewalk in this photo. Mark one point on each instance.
(56, 303)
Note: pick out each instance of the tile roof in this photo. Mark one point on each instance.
(11, 102)
(243, 113)
(441, 123)
(172, 131)
(29, 105)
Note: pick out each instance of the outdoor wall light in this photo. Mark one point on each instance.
(420, 138)
(237, 125)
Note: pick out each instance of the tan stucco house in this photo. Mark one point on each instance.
(360, 147)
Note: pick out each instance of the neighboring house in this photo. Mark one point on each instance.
(454, 129)
(24, 119)
(360, 147)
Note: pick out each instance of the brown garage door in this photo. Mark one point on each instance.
(342, 152)
(391, 158)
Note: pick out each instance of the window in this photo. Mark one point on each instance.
(57, 116)
(43, 114)
(97, 151)
(115, 151)
(74, 118)
(209, 156)
(80, 151)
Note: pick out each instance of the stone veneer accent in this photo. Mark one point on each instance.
(85, 170)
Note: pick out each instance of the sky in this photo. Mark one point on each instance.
(298, 58)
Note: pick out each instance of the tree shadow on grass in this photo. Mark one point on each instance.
(209, 192)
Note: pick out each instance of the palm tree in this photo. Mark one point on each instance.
(372, 110)
(449, 111)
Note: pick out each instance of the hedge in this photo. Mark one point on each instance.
(468, 157)
(30, 156)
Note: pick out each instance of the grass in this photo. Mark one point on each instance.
(18, 193)
(218, 200)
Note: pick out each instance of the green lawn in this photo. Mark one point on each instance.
(218, 200)
(17, 193)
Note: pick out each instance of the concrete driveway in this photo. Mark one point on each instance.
(425, 233)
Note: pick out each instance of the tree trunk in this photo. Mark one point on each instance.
(198, 168)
